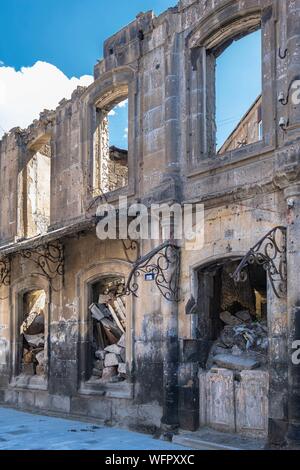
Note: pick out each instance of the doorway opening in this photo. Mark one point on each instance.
(107, 314)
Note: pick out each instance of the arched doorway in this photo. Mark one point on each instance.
(232, 329)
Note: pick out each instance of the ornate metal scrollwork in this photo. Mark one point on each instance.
(164, 264)
(270, 253)
(4, 271)
(49, 258)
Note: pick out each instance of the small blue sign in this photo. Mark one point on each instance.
(149, 277)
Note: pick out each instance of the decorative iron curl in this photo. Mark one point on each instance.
(282, 55)
(270, 253)
(49, 258)
(164, 263)
(4, 271)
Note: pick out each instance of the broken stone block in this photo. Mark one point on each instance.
(104, 298)
(109, 373)
(228, 361)
(117, 378)
(100, 355)
(35, 340)
(244, 315)
(37, 326)
(40, 357)
(123, 355)
(99, 365)
(40, 370)
(111, 360)
(122, 369)
(28, 357)
(99, 311)
(97, 372)
(229, 319)
(122, 342)
(236, 351)
(230, 338)
(28, 369)
(113, 348)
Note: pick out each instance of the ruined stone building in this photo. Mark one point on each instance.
(215, 349)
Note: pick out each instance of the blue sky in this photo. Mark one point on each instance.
(238, 82)
(67, 33)
(48, 47)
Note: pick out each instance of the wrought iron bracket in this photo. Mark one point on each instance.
(164, 263)
(49, 258)
(4, 271)
(270, 253)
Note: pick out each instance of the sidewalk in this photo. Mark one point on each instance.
(25, 431)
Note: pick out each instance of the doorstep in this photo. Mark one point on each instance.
(208, 439)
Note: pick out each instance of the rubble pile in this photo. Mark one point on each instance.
(109, 324)
(242, 344)
(33, 331)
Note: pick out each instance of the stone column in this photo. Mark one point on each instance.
(169, 310)
(293, 305)
(278, 370)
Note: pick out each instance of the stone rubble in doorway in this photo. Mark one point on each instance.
(109, 316)
(242, 344)
(33, 332)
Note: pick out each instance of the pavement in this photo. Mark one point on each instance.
(26, 431)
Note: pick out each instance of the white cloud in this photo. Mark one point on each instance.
(112, 113)
(123, 104)
(125, 136)
(25, 93)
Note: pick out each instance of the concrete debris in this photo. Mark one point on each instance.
(33, 331)
(109, 373)
(111, 360)
(40, 357)
(100, 355)
(122, 342)
(113, 348)
(244, 315)
(99, 365)
(37, 301)
(236, 351)
(109, 316)
(28, 369)
(40, 370)
(97, 372)
(229, 361)
(122, 369)
(35, 341)
(244, 346)
(229, 319)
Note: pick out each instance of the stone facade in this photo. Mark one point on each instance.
(164, 65)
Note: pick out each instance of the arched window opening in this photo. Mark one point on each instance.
(110, 170)
(238, 88)
(36, 191)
